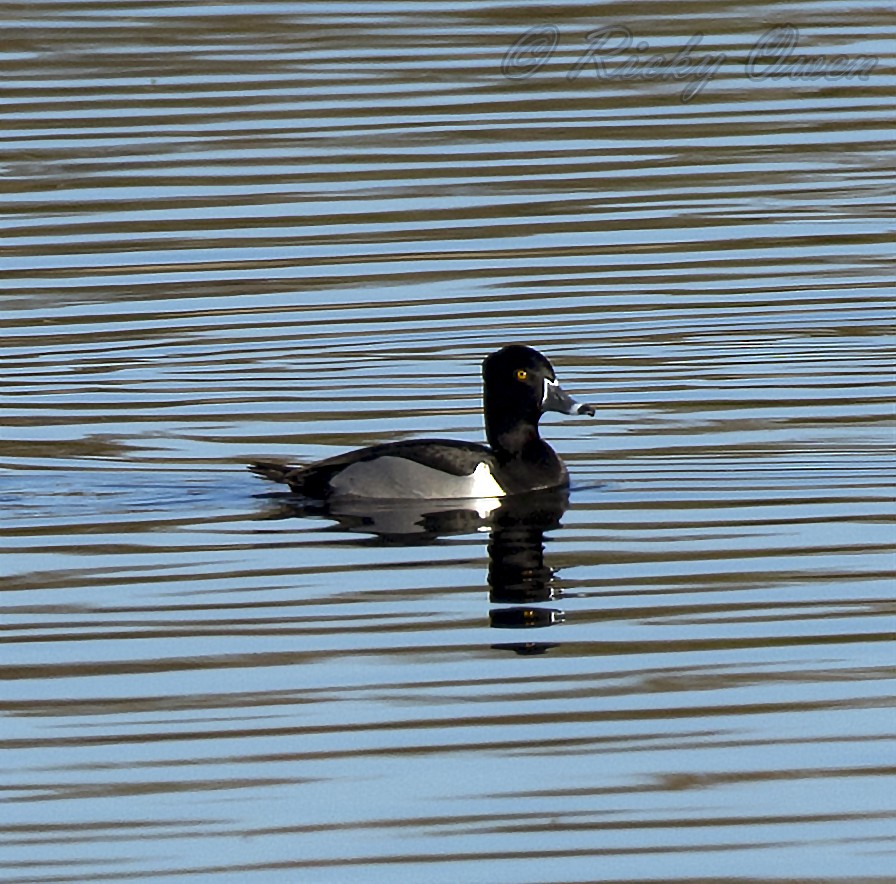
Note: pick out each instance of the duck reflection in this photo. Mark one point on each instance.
(517, 573)
(519, 580)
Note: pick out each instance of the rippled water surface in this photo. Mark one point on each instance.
(284, 229)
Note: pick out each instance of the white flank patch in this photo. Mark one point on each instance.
(397, 478)
(484, 484)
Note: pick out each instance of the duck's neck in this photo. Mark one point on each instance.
(527, 462)
(514, 441)
(511, 435)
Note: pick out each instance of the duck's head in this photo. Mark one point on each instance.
(520, 385)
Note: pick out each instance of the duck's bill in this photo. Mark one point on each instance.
(555, 398)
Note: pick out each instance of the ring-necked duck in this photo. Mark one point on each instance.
(519, 386)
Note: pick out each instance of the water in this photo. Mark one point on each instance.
(286, 229)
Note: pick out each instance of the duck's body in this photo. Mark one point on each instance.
(442, 469)
(519, 386)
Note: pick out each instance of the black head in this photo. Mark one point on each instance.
(520, 385)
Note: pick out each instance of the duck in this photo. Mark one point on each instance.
(519, 386)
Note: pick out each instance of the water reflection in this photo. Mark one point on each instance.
(518, 576)
(400, 523)
(517, 573)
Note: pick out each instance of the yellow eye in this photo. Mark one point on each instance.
(521, 374)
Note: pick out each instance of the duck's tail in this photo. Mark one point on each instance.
(267, 469)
